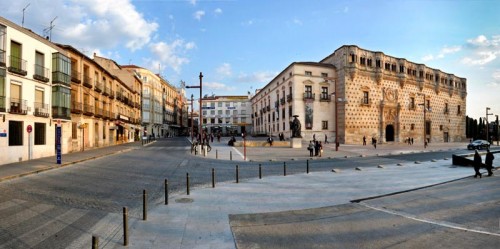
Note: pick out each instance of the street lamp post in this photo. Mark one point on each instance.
(425, 119)
(487, 124)
(192, 120)
(201, 91)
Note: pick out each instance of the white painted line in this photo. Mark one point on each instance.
(429, 221)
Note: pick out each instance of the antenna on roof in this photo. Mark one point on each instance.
(22, 24)
(49, 29)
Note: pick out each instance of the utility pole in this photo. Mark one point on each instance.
(487, 124)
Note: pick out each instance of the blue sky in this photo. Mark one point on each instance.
(240, 45)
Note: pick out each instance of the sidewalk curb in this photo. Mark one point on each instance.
(61, 166)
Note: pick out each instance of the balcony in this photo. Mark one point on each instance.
(59, 112)
(324, 97)
(119, 96)
(105, 114)
(61, 78)
(111, 94)
(2, 103)
(87, 81)
(76, 76)
(41, 110)
(112, 116)
(88, 109)
(17, 66)
(2, 58)
(76, 107)
(264, 110)
(289, 98)
(98, 87)
(106, 91)
(18, 106)
(268, 108)
(98, 112)
(41, 73)
(282, 101)
(309, 96)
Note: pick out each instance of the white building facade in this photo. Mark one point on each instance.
(34, 95)
(227, 115)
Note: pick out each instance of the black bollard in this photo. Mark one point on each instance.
(144, 205)
(260, 171)
(284, 168)
(216, 154)
(230, 155)
(125, 226)
(237, 174)
(166, 192)
(187, 183)
(307, 168)
(213, 178)
(95, 242)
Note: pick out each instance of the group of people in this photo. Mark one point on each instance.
(478, 163)
(409, 140)
(315, 148)
(374, 141)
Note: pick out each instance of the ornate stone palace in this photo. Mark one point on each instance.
(364, 93)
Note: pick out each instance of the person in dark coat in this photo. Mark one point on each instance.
(477, 164)
(316, 148)
(311, 148)
(489, 162)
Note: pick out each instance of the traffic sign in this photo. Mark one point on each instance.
(29, 129)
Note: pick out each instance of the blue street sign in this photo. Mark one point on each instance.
(58, 145)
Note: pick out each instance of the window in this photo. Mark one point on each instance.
(74, 130)
(39, 64)
(228, 104)
(322, 75)
(366, 100)
(212, 104)
(427, 127)
(308, 73)
(428, 104)
(15, 133)
(289, 111)
(243, 112)
(458, 110)
(219, 112)
(219, 104)
(235, 112)
(324, 125)
(362, 61)
(412, 127)
(378, 63)
(369, 62)
(212, 120)
(228, 112)
(308, 92)
(39, 133)
(412, 103)
(212, 112)
(204, 113)
(445, 108)
(324, 93)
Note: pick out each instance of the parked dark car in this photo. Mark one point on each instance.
(478, 144)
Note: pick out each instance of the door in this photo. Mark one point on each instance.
(389, 133)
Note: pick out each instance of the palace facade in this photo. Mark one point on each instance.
(365, 94)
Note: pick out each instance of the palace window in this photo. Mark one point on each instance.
(369, 62)
(458, 110)
(308, 73)
(378, 63)
(362, 61)
(412, 103)
(322, 75)
(445, 108)
(412, 127)
(324, 125)
(366, 99)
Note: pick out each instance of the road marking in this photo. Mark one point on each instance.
(239, 153)
(429, 221)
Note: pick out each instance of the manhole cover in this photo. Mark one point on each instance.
(184, 200)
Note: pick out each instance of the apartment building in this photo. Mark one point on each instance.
(228, 115)
(103, 107)
(34, 94)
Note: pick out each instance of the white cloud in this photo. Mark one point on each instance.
(192, 2)
(218, 11)
(170, 55)
(428, 57)
(217, 86)
(484, 50)
(86, 24)
(257, 77)
(496, 75)
(198, 14)
(297, 21)
(224, 69)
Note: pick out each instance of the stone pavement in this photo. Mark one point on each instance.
(35, 166)
(300, 211)
(221, 151)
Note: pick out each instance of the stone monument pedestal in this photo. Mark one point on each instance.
(296, 142)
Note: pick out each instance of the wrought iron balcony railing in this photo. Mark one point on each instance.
(41, 73)
(17, 65)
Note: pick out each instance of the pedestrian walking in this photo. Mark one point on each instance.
(477, 164)
(314, 138)
(326, 139)
(270, 141)
(311, 148)
(374, 142)
(489, 162)
(364, 140)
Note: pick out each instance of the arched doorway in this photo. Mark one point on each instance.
(389, 133)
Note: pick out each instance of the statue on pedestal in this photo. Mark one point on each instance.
(296, 127)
